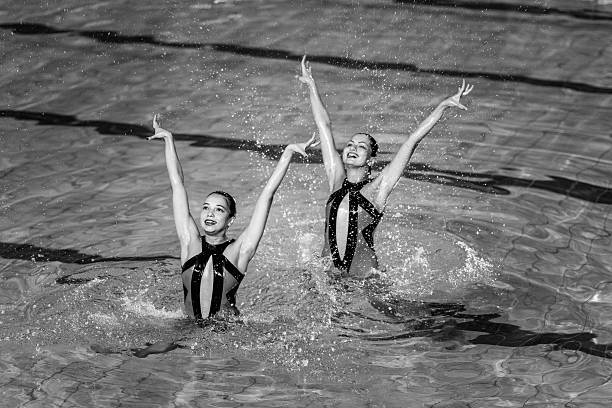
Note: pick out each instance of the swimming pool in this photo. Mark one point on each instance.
(496, 241)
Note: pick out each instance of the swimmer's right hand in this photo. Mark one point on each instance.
(160, 133)
(464, 89)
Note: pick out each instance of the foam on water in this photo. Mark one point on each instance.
(415, 278)
(141, 307)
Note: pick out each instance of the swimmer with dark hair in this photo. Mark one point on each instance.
(357, 200)
(212, 264)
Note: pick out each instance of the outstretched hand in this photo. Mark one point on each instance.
(306, 76)
(160, 133)
(464, 89)
(301, 147)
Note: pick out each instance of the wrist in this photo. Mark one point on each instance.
(443, 105)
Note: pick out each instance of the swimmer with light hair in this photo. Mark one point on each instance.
(212, 264)
(357, 200)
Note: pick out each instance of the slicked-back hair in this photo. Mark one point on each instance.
(230, 201)
(373, 143)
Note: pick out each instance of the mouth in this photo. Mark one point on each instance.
(210, 222)
(352, 156)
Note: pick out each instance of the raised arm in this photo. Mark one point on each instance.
(186, 227)
(390, 175)
(249, 239)
(331, 159)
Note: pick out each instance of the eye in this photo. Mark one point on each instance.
(219, 209)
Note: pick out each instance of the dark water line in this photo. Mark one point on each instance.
(28, 252)
(490, 183)
(103, 127)
(481, 182)
(514, 8)
(351, 63)
(114, 37)
(497, 334)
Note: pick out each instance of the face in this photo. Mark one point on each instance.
(215, 216)
(357, 151)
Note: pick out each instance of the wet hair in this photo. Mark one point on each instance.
(230, 201)
(373, 143)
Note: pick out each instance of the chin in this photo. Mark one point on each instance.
(354, 163)
(211, 229)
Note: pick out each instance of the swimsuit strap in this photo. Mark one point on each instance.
(368, 231)
(220, 264)
(231, 294)
(356, 200)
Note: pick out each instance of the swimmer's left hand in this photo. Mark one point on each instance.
(464, 89)
(306, 76)
(160, 133)
(301, 147)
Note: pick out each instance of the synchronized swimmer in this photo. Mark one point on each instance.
(357, 200)
(212, 264)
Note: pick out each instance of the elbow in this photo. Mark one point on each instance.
(177, 183)
(264, 202)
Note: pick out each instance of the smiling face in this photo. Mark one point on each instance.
(215, 217)
(358, 151)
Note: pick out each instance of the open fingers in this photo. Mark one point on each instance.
(306, 70)
(305, 67)
(156, 121)
(313, 141)
(312, 138)
(462, 87)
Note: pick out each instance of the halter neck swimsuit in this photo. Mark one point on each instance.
(197, 292)
(363, 217)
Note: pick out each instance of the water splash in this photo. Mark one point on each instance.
(143, 307)
(416, 278)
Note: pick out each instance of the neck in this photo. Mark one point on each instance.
(216, 239)
(357, 174)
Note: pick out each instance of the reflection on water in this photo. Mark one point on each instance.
(495, 243)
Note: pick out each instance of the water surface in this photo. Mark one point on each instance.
(495, 242)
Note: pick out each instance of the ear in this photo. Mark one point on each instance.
(230, 221)
(371, 161)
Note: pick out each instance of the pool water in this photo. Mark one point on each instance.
(495, 286)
